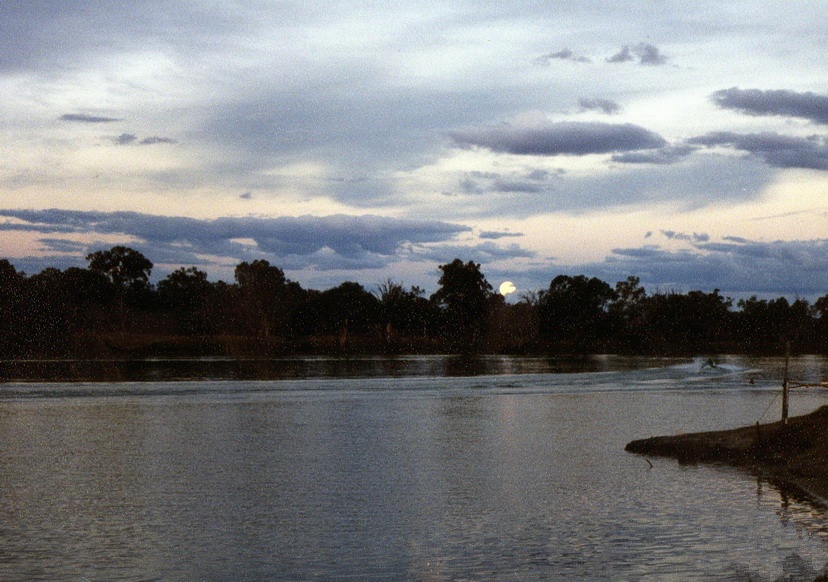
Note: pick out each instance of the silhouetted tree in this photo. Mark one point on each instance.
(404, 311)
(268, 298)
(627, 315)
(765, 326)
(123, 266)
(128, 271)
(463, 297)
(573, 312)
(688, 323)
(11, 308)
(346, 310)
(185, 292)
(820, 311)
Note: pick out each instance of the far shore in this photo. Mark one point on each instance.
(794, 453)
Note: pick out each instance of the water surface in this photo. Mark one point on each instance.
(496, 476)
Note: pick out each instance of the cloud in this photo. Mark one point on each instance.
(552, 139)
(662, 156)
(563, 55)
(779, 151)
(734, 265)
(494, 235)
(482, 253)
(689, 183)
(695, 237)
(533, 182)
(647, 54)
(152, 140)
(607, 106)
(125, 139)
(810, 106)
(84, 118)
(311, 241)
(131, 138)
(622, 56)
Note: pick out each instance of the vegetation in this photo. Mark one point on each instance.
(111, 309)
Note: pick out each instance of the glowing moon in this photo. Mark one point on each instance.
(507, 287)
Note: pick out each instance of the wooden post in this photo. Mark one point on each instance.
(785, 383)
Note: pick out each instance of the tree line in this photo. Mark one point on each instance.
(110, 308)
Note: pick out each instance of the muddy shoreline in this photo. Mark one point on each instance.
(795, 453)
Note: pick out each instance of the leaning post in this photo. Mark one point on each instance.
(785, 383)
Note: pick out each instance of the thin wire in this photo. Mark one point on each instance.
(769, 407)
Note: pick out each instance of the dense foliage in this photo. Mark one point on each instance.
(112, 308)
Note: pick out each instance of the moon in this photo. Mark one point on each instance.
(507, 287)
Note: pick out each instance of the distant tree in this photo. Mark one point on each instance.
(346, 310)
(128, 271)
(12, 308)
(85, 288)
(259, 284)
(820, 311)
(403, 311)
(627, 315)
(185, 292)
(766, 325)
(268, 298)
(463, 297)
(573, 312)
(688, 323)
(123, 266)
(50, 319)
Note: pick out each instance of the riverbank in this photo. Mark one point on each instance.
(795, 453)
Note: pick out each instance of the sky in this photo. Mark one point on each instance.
(682, 143)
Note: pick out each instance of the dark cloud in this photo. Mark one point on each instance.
(646, 54)
(662, 156)
(152, 140)
(649, 55)
(623, 56)
(312, 241)
(808, 105)
(779, 151)
(735, 265)
(695, 182)
(533, 182)
(45, 35)
(694, 237)
(125, 139)
(84, 118)
(563, 55)
(573, 138)
(482, 253)
(494, 235)
(607, 106)
(131, 138)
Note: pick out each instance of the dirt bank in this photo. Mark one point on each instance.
(796, 452)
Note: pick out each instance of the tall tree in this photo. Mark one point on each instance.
(268, 297)
(627, 315)
(186, 292)
(404, 311)
(11, 308)
(573, 312)
(123, 266)
(463, 296)
(347, 309)
(127, 270)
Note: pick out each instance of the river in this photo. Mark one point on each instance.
(419, 468)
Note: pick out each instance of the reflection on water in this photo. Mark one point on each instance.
(159, 369)
(516, 477)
